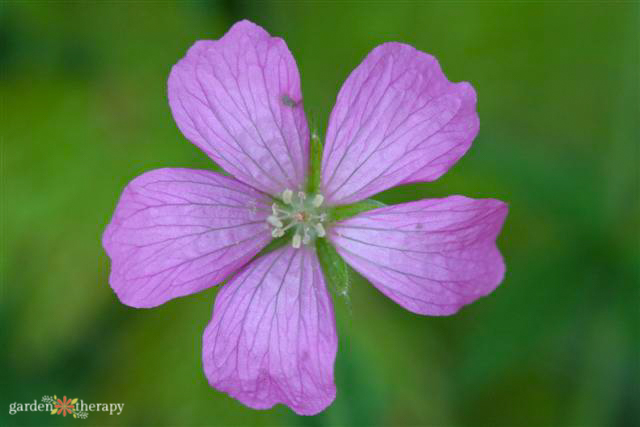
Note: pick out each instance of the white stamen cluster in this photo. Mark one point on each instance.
(300, 212)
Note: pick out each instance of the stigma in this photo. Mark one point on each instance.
(300, 212)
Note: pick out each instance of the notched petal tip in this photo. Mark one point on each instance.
(245, 26)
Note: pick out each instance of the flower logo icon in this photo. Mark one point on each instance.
(64, 406)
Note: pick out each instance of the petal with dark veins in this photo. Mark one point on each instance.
(431, 256)
(239, 99)
(272, 338)
(178, 231)
(397, 120)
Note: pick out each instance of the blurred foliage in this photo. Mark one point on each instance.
(84, 110)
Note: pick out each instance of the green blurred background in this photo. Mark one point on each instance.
(84, 110)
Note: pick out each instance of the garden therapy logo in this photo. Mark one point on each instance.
(64, 406)
(71, 406)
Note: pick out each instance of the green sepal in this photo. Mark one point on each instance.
(336, 271)
(346, 211)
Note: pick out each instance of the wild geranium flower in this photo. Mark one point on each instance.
(397, 120)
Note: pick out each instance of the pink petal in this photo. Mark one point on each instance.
(397, 120)
(238, 99)
(430, 256)
(272, 338)
(178, 231)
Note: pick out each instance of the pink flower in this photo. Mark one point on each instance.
(397, 120)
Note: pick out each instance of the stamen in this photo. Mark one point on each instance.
(277, 232)
(279, 213)
(287, 196)
(320, 230)
(317, 200)
(307, 237)
(289, 226)
(301, 195)
(297, 241)
(275, 221)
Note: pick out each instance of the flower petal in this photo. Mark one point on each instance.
(239, 100)
(397, 120)
(272, 338)
(430, 256)
(178, 231)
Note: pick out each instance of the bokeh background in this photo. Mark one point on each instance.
(84, 110)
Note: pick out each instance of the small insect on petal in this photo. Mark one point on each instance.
(286, 100)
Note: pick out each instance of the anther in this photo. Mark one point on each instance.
(297, 241)
(319, 230)
(287, 196)
(317, 200)
(275, 221)
(277, 232)
(307, 237)
(301, 195)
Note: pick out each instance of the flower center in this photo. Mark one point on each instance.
(301, 212)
